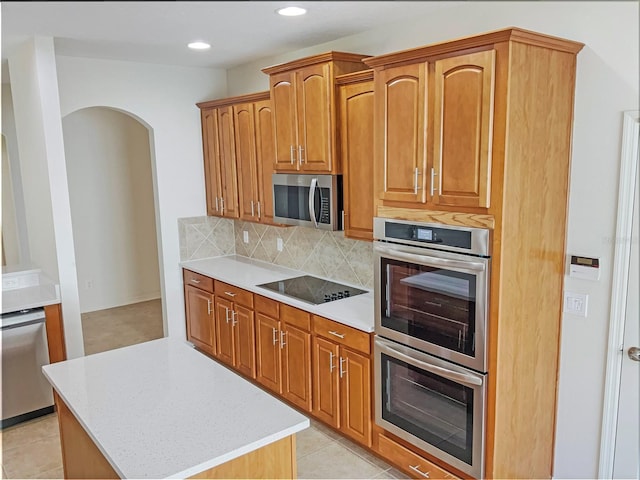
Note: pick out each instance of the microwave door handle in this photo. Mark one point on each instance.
(312, 197)
(443, 372)
(431, 261)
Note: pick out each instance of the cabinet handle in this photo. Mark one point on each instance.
(331, 364)
(231, 294)
(336, 334)
(417, 469)
(209, 310)
(217, 208)
(342, 372)
(226, 315)
(252, 209)
(291, 151)
(259, 210)
(275, 339)
(234, 315)
(222, 205)
(195, 280)
(300, 152)
(415, 180)
(433, 181)
(282, 335)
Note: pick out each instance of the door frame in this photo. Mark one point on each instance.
(622, 248)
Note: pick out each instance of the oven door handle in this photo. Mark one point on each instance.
(429, 260)
(443, 372)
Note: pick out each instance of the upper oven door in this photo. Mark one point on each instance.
(432, 300)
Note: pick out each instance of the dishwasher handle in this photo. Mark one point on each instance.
(22, 318)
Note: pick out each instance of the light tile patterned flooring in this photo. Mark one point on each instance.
(32, 449)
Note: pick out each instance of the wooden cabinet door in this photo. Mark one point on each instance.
(246, 160)
(400, 150)
(284, 121)
(211, 160)
(314, 102)
(227, 159)
(295, 347)
(355, 393)
(268, 365)
(326, 398)
(224, 330)
(356, 148)
(265, 156)
(463, 128)
(244, 341)
(200, 324)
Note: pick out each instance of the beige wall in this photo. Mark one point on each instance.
(112, 208)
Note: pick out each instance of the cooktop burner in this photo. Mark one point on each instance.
(311, 289)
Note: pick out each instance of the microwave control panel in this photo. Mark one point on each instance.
(325, 213)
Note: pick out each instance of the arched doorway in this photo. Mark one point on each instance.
(111, 193)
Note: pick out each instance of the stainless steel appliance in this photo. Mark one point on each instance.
(311, 289)
(308, 200)
(26, 393)
(432, 288)
(431, 306)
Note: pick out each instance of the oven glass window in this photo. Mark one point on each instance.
(428, 406)
(431, 304)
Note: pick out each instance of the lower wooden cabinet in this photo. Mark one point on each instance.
(235, 336)
(342, 380)
(296, 366)
(269, 365)
(200, 319)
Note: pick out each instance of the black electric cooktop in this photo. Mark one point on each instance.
(311, 289)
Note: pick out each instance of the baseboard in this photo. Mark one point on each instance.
(137, 299)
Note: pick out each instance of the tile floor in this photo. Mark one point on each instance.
(32, 449)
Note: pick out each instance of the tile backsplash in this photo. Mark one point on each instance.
(318, 252)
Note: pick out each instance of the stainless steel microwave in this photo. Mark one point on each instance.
(308, 200)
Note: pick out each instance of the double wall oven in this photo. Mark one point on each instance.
(431, 309)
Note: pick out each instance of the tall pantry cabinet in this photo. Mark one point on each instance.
(477, 132)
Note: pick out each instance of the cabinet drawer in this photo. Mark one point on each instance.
(269, 307)
(348, 336)
(199, 281)
(410, 462)
(296, 317)
(235, 294)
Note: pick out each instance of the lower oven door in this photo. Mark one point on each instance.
(435, 405)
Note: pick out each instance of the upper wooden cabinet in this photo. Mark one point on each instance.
(304, 111)
(238, 148)
(355, 125)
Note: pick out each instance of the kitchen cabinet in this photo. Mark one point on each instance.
(283, 350)
(199, 301)
(341, 378)
(235, 328)
(498, 113)
(304, 111)
(355, 120)
(238, 150)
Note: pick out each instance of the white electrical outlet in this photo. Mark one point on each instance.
(279, 244)
(576, 303)
(89, 284)
(245, 236)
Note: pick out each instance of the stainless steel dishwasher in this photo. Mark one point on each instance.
(26, 393)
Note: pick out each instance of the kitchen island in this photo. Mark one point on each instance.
(160, 409)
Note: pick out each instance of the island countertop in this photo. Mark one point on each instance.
(160, 409)
(247, 273)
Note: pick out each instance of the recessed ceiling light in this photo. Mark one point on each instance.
(291, 11)
(199, 46)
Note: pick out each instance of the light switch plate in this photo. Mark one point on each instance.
(279, 245)
(576, 303)
(245, 236)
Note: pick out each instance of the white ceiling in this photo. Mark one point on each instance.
(157, 32)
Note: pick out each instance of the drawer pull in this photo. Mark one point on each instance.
(231, 294)
(194, 280)
(336, 334)
(417, 469)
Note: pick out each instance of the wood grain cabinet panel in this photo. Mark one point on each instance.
(400, 153)
(246, 158)
(284, 121)
(355, 120)
(224, 330)
(463, 126)
(227, 159)
(355, 395)
(210, 151)
(244, 341)
(268, 362)
(326, 382)
(265, 155)
(296, 366)
(200, 319)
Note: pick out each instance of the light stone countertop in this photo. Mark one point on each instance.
(26, 289)
(161, 409)
(247, 273)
